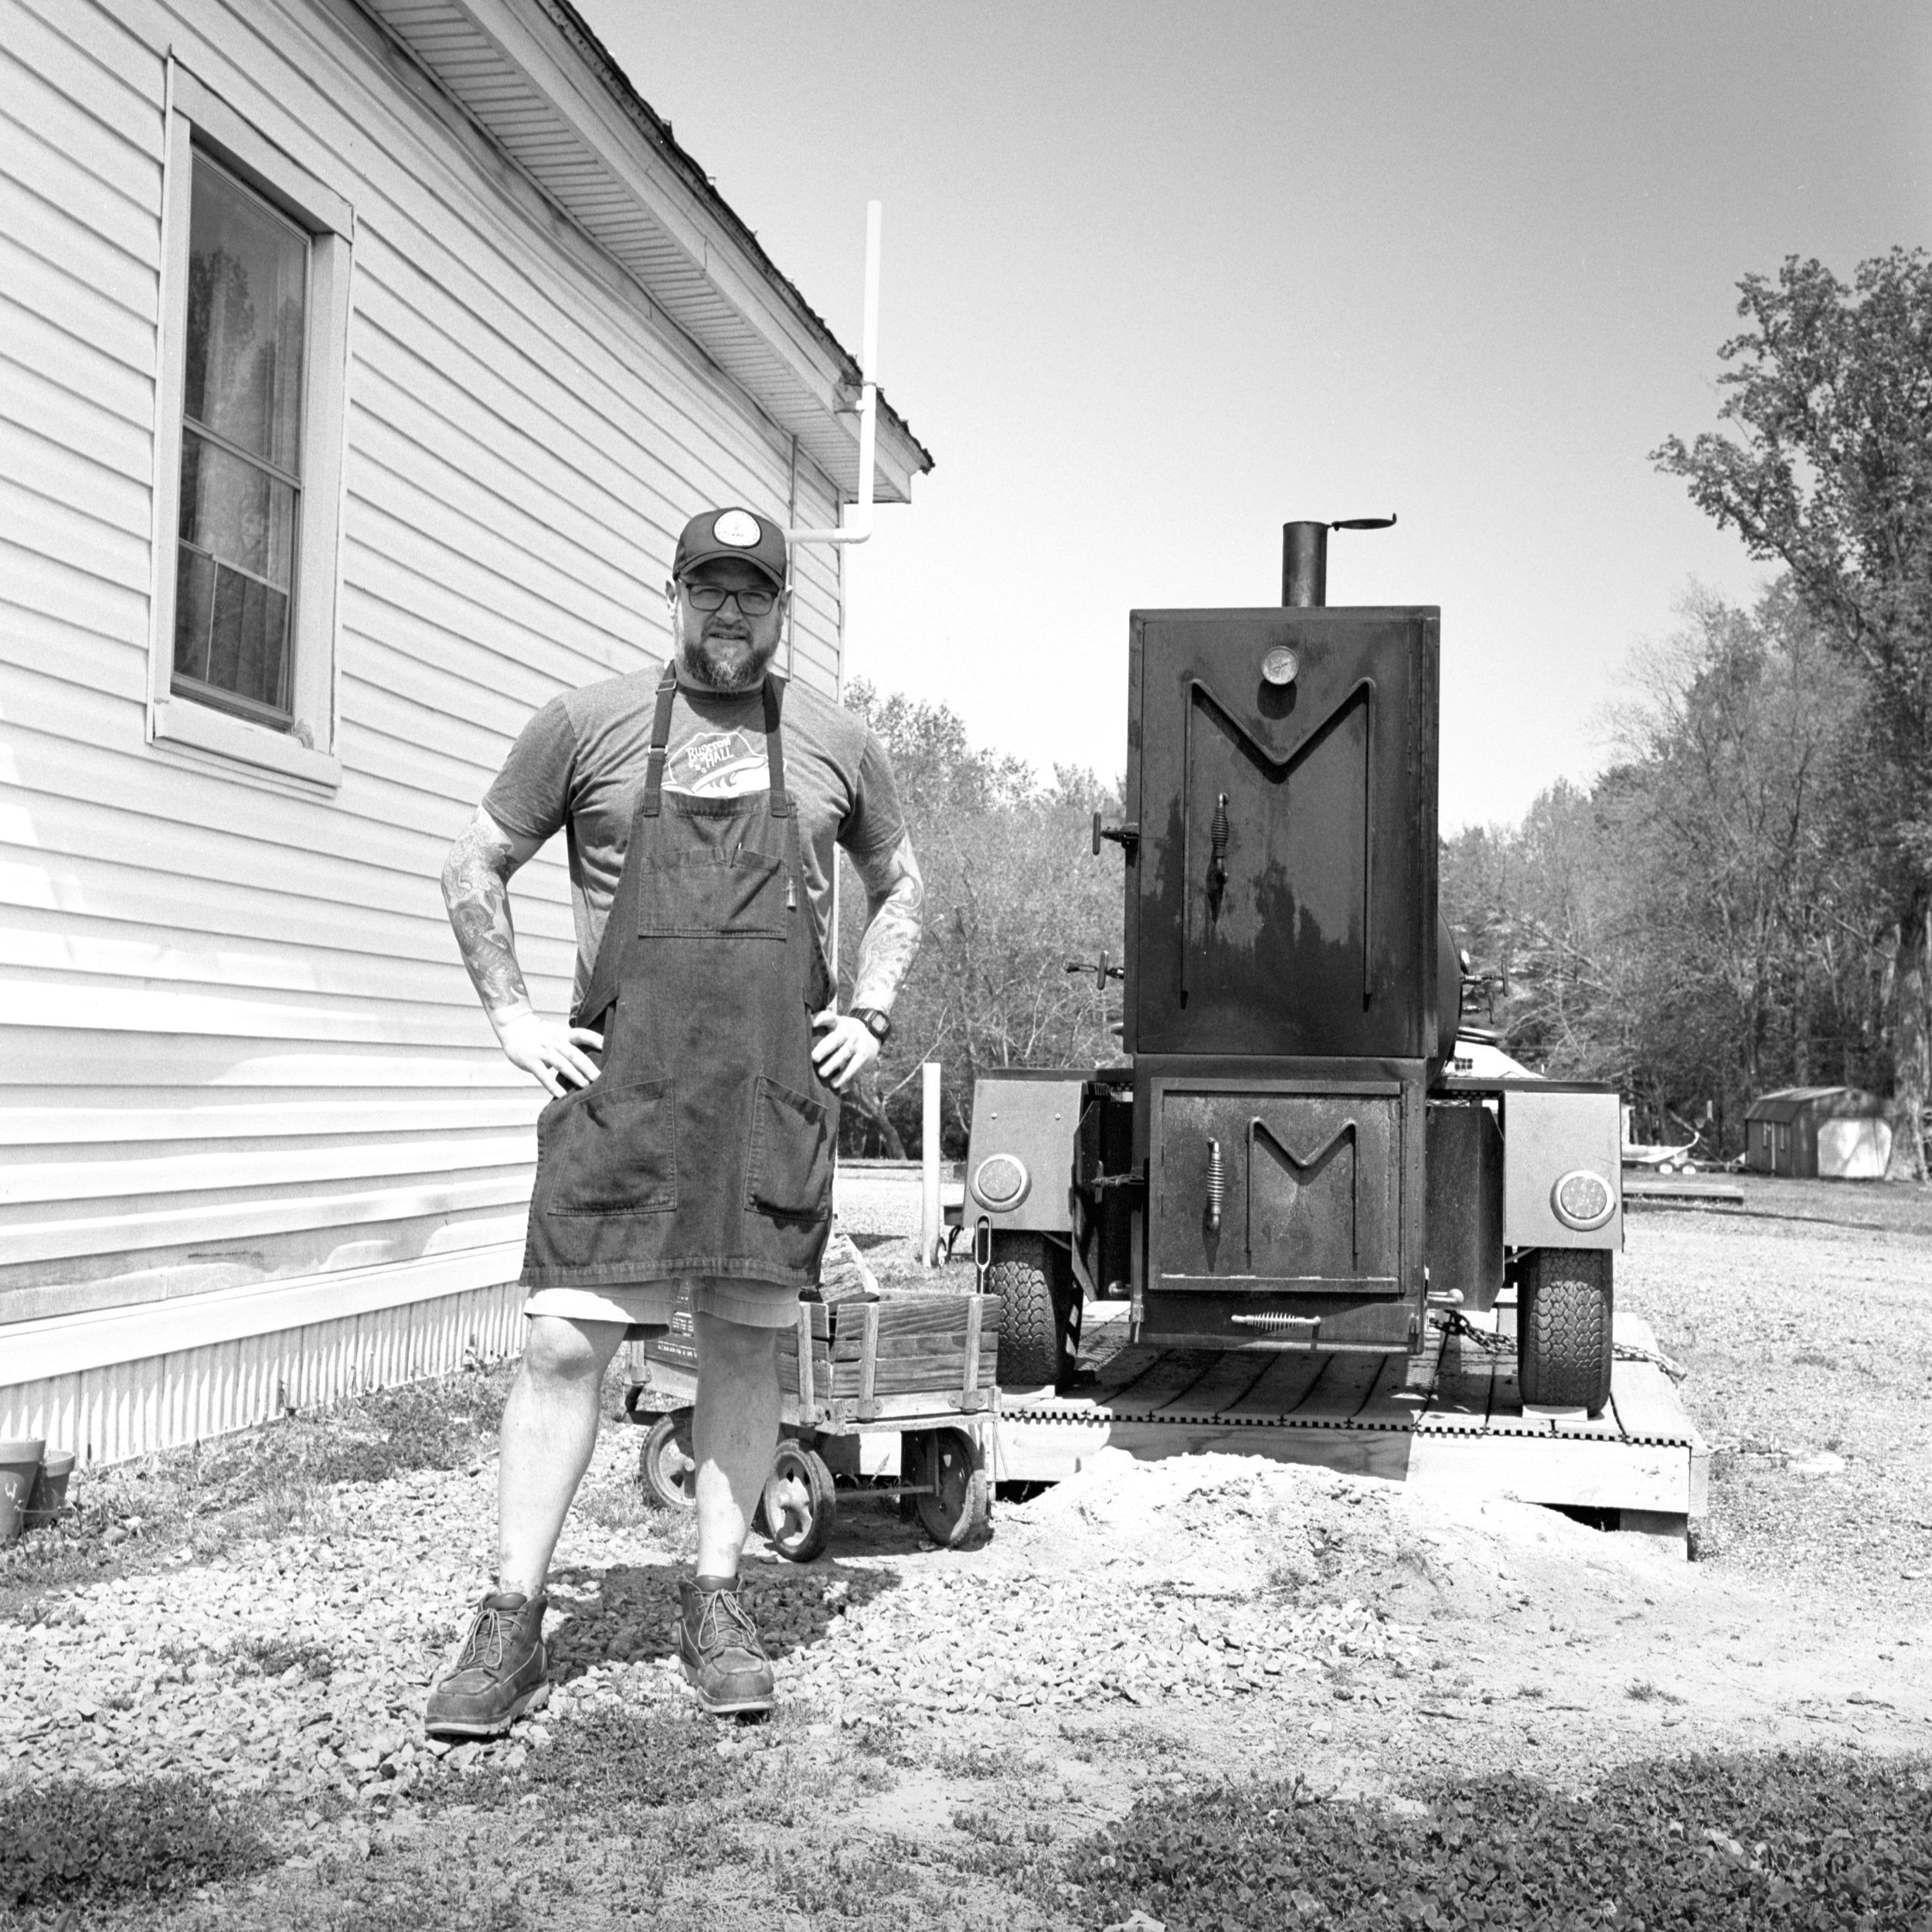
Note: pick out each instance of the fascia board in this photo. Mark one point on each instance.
(574, 90)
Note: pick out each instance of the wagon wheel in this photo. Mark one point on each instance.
(957, 1513)
(799, 1503)
(666, 1467)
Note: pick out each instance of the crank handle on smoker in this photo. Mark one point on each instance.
(1126, 836)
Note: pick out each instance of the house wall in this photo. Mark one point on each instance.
(238, 1055)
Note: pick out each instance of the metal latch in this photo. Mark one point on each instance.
(1126, 836)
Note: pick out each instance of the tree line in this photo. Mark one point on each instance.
(1013, 896)
(1742, 900)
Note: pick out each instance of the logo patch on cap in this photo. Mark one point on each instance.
(738, 528)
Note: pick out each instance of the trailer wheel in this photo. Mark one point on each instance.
(958, 1512)
(1021, 1275)
(799, 1503)
(667, 1466)
(1563, 1325)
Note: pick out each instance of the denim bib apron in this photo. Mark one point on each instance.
(704, 1146)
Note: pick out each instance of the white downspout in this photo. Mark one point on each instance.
(856, 527)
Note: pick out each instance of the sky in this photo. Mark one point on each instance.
(1158, 278)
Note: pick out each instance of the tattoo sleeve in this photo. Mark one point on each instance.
(476, 889)
(896, 900)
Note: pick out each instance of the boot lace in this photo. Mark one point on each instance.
(485, 1645)
(722, 1624)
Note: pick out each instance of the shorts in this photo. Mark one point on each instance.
(645, 1307)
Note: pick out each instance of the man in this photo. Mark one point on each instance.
(689, 1138)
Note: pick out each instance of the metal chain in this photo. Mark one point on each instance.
(1456, 1323)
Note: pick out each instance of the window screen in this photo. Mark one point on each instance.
(241, 455)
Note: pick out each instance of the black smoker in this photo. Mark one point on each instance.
(1292, 1156)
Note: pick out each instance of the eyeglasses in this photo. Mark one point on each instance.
(711, 597)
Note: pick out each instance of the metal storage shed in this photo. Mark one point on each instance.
(1835, 1133)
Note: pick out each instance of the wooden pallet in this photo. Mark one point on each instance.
(1452, 1419)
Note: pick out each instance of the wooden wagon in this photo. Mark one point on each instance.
(919, 1365)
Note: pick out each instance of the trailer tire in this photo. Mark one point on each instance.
(668, 1467)
(958, 1514)
(1565, 1347)
(1021, 1275)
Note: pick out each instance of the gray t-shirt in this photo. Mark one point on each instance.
(578, 765)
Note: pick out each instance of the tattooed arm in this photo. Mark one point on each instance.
(895, 899)
(476, 890)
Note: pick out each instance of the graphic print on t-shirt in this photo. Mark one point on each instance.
(718, 764)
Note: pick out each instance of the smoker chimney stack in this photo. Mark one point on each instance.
(1304, 558)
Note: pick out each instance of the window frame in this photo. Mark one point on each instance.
(198, 119)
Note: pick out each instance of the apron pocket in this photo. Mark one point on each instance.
(614, 1152)
(789, 1171)
(707, 894)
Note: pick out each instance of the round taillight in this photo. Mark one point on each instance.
(1582, 1199)
(1000, 1183)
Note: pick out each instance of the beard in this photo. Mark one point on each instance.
(729, 661)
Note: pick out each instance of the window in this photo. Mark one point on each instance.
(249, 448)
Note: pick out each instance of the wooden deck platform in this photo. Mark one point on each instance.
(1453, 1418)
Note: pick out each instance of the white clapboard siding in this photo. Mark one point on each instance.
(117, 1410)
(239, 1055)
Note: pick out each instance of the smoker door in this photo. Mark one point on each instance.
(1281, 894)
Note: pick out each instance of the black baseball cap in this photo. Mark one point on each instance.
(732, 531)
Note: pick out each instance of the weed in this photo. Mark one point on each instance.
(980, 1822)
(1644, 1691)
(74, 1840)
(271, 1657)
(982, 1760)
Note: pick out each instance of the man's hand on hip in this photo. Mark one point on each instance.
(547, 1049)
(844, 1049)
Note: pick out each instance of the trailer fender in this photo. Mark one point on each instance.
(1562, 1168)
(1019, 1159)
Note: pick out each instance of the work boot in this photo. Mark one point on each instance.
(497, 1672)
(718, 1647)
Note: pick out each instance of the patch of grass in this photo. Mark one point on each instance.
(75, 1841)
(268, 1481)
(608, 1765)
(1806, 1843)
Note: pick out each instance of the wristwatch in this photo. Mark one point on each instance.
(877, 1024)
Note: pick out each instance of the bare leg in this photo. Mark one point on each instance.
(549, 1428)
(733, 1432)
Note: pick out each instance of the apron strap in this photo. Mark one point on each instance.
(774, 754)
(660, 737)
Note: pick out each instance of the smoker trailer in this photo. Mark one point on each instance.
(1292, 1155)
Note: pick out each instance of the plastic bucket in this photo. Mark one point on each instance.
(49, 1495)
(19, 1469)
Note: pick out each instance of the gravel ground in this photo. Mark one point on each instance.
(1141, 1625)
